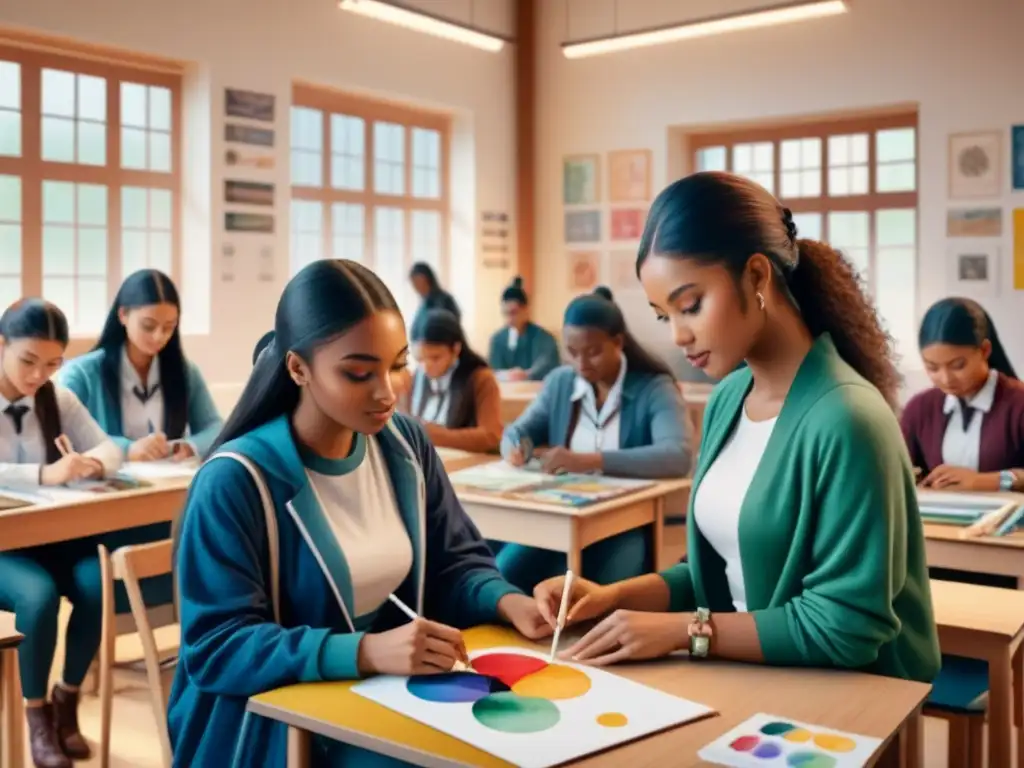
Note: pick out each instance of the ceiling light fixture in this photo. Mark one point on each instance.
(716, 25)
(421, 21)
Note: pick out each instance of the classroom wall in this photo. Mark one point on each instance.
(263, 45)
(959, 61)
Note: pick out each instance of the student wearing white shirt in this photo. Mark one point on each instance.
(34, 413)
(522, 350)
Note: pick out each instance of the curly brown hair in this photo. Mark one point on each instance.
(720, 217)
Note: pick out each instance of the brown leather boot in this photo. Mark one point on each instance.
(65, 722)
(46, 751)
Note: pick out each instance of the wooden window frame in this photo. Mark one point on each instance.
(330, 102)
(33, 54)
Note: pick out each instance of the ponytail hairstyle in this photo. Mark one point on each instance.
(964, 323)
(321, 302)
(261, 345)
(145, 288)
(39, 319)
(599, 310)
(440, 326)
(716, 217)
(515, 292)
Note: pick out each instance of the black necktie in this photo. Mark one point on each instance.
(17, 414)
(145, 394)
(966, 413)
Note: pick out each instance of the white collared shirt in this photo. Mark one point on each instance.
(513, 339)
(140, 419)
(962, 447)
(434, 396)
(21, 454)
(597, 431)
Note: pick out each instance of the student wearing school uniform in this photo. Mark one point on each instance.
(967, 432)
(615, 409)
(34, 413)
(806, 546)
(522, 350)
(319, 503)
(433, 296)
(455, 396)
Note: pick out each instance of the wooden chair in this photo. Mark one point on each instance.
(129, 565)
(960, 697)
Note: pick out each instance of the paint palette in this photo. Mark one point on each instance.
(769, 741)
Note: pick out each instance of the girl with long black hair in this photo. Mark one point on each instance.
(433, 296)
(522, 350)
(34, 413)
(318, 503)
(454, 393)
(967, 432)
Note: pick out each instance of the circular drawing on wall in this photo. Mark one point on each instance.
(973, 161)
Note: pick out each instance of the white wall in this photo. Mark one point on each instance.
(263, 45)
(960, 61)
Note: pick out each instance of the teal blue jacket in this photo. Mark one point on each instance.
(233, 647)
(83, 376)
(536, 352)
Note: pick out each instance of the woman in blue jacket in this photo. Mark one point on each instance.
(319, 503)
(522, 350)
(615, 409)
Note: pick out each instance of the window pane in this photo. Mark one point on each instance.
(92, 98)
(347, 225)
(61, 291)
(895, 285)
(58, 93)
(160, 209)
(347, 135)
(808, 225)
(92, 305)
(58, 140)
(10, 133)
(896, 227)
(133, 208)
(346, 172)
(711, 159)
(58, 202)
(389, 246)
(839, 181)
(389, 156)
(10, 198)
(92, 204)
(307, 129)
(859, 180)
(426, 237)
(10, 86)
(896, 177)
(306, 168)
(894, 144)
(133, 148)
(10, 251)
(133, 105)
(742, 159)
(306, 217)
(10, 290)
(159, 108)
(848, 229)
(58, 250)
(159, 151)
(133, 251)
(307, 249)
(92, 251)
(160, 251)
(92, 143)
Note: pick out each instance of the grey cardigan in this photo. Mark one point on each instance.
(653, 441)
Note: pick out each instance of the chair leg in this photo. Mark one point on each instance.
(107, 641)
(976, 742)
(959, 742)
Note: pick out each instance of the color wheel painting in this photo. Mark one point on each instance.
(522, 709)
(768, 741)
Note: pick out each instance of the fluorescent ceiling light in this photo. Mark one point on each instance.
(389, 11)
(765, 17)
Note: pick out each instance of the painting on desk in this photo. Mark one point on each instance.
(530, 484)
(66, 494)
(764, 741)
(520, 708)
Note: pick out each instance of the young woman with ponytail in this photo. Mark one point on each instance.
(966, 433)
(805, 541)
(34, 413)
(614, 409)
(522, 350)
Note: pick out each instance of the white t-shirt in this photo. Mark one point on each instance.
(962, 447)
(357, 497)
(597, 431)
(719, 499)
(142, 404)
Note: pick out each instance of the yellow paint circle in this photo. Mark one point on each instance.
(554, 682)
(612, 720)
(834, 743)
(799, 735)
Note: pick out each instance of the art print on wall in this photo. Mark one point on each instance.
(1017, 157)
(1018, 249)
(249, 222)
(246, 134)
(234, 157)
(584, 271)
(583, 226)
(627, 223)
(629, 176)
(974, 269)
(248, 193)
(975, 165)
(975, 222)
(622, 272)
(581, 179)
(249, 105)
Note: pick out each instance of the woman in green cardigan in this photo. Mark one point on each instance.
(805, 541)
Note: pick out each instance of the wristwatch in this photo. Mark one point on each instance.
(1007, 479)
(700, 633)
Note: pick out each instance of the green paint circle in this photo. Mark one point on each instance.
(776, 728)
(510, 713)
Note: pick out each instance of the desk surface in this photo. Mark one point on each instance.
(998, 613)
(859, 703)
(1014, 540)
(9, 636)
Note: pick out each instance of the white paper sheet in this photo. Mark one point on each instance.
(154, 470)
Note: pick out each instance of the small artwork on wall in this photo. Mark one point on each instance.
(581, 177)
(629, 176)
(627, 223)
(584, 271)
(249, 222)
(248, 193)
(583, 226)
(234, 157)
(622, 272)
(975, 164)
(975, 222)
(1018, 249)
(249, 104)
(975, 269)
(1017, 157)
(246, 134)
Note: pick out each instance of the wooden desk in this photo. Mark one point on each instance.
(516, 396)
(568, 529)
(988, 623)
(869, 705)
(454, 460)
(13, 728)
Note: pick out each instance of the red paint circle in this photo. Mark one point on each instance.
(745, 743)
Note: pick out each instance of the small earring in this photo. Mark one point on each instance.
(760, 300)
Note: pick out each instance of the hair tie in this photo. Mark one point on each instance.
(787, 219)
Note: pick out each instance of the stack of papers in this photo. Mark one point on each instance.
(528, 484)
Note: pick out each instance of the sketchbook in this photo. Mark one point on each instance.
(530, 484)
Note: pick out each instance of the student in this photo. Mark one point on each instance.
(34, 413)
(805, 541)
(521, 350)
(614, 409)
(433, 296)
(290, 582)
(455, 396)
(967, 433)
